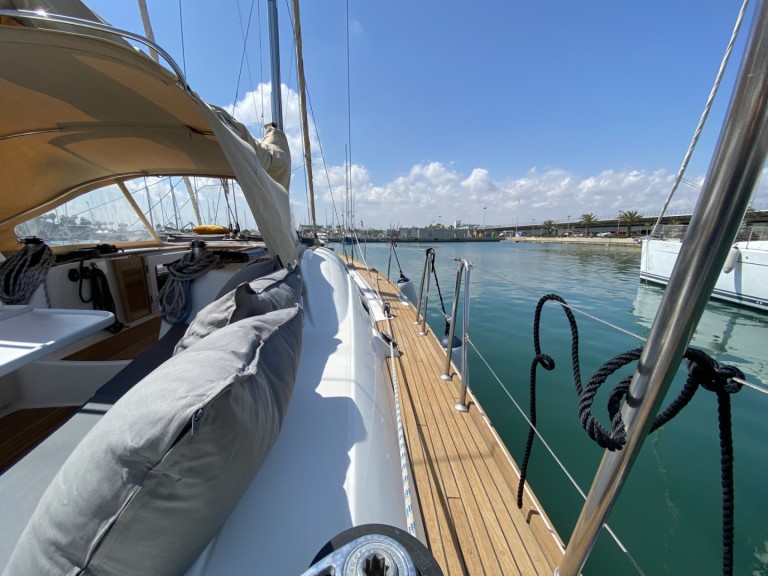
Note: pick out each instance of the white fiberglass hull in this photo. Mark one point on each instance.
(746, 283)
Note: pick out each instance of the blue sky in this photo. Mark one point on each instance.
(559, 108)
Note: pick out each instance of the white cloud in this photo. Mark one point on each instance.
(432, 191)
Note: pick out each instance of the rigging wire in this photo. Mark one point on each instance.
(351, 215)
(262, 84)
(244, 36)
(322, 157)
(704, 114)
(183, 51)
(303, 165)
(242, 56)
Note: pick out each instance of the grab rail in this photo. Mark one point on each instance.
(446, 375)
(466, 267)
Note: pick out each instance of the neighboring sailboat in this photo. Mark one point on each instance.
(743, 279)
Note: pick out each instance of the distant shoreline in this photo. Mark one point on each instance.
(363, 239)
(617, 242)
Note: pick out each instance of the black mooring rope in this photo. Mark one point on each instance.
(442, 303)
(703, 371)
(393, 250)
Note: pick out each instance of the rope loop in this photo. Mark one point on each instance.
(703, 371)
(616, 438)
(545, 361)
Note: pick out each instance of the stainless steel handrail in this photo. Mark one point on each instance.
(429, 259)
(446, 375)
(734, 172)
(44, 17)
(461, 405)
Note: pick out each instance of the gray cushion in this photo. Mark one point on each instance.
(148, 487)
(281, 289)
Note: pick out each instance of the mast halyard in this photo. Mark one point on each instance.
(303, 107)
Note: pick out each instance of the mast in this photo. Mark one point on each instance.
(274, 49)
(303, 107)
(733, 174)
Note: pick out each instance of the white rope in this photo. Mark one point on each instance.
(404, 464)
(704, 114)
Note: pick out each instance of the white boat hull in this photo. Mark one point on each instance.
(746, 283)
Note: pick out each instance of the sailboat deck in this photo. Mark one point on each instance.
(464, 477)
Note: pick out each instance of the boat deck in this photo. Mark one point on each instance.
(465, 479)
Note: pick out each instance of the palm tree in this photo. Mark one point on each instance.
(588, 220)
(630, 218)
(549, 226)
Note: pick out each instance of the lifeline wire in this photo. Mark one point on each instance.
(741, 381)
(554, 456)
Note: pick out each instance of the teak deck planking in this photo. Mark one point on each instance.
(464, 477)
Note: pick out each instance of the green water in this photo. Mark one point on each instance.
(668, 514)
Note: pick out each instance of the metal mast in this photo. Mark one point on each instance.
(274, 49)
(303, 107)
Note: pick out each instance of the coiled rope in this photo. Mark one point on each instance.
(174, 303)
(703, 371)
(22, 273)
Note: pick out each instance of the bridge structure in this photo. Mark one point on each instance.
(575, 228)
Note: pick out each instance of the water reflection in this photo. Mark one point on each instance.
(732, 335)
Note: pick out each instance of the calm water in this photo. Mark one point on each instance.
(668, 514)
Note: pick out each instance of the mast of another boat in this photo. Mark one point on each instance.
(733, 173)
(303, 106)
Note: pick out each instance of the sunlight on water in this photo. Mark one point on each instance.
(668, 514)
